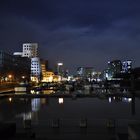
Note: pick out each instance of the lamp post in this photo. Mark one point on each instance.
(10, 78)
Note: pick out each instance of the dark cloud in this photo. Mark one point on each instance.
(77, 32)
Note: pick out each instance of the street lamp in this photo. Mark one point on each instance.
(23, 77)
(10, 77)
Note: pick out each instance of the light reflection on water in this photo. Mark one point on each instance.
(42, 109)
(60, 100)
(42, 91)
(35, 104)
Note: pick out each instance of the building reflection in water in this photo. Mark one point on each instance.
(27, 116)
(35, 104)
(109, 100)
(10, 99)
(126, 100)
(120, 99)
(133, 111)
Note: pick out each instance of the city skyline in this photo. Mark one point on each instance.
(77, 33)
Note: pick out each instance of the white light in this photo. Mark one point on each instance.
(37, 92)
(61, 100)
(109, 100)
(23, 77)
(50, 79)
(10, 99)
(59, 64)
(129, 99)
(32, 92)
(106, 75)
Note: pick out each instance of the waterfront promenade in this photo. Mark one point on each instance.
(8, 91)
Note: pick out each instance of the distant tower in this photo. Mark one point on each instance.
(30, 50)
(59, 68)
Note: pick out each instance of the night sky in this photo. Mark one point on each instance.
(77, 32)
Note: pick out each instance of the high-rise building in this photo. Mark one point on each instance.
(85, 71)
(35, 69)
(114, 67)
(60, 69)
(30, 50)
(126, 66)
(44, 64)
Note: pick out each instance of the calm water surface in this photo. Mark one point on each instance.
(41, 109)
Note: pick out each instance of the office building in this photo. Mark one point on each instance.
(126, 66)
(13, 67)
(30, 50)
(44, 64)
(88, 73)
(85, 71)
(35, 69)
(114, 67)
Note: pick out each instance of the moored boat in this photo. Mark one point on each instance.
(22, 88)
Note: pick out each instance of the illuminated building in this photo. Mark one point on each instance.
(114, 67)
(117, 67)
(30, 50)
(44, 64)
(50, 77)
(126, 66)
(88, 73)
(47, 76)
(35, 69)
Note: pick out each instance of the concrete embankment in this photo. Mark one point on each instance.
(7, 87)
